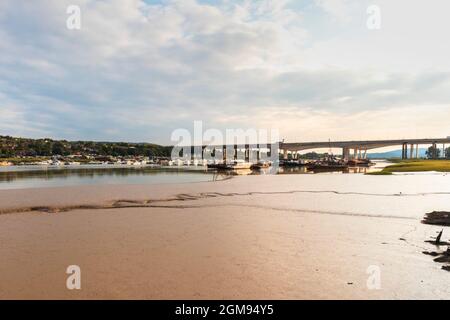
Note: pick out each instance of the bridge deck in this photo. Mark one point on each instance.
(362, 144)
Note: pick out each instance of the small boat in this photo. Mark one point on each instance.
(330, 163)
(237, 165)
(260, 165)
(326, 166)
(359, 162)
(234, 165)
(292, 163)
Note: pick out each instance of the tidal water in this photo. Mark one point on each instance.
(20, 177)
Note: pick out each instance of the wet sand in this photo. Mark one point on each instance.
(254, 237)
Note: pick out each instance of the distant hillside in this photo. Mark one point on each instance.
(394, 154)
(17, 147)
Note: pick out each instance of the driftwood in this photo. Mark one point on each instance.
(437, 241)
(439, 256)
(441, 218)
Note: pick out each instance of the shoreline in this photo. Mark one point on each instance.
(415, 166)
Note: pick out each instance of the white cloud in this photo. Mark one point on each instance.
(136, 71)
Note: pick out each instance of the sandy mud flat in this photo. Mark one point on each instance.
(254, 237)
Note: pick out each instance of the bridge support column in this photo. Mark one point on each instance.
(192, 153)
(224, 153)
(285, 154)
(404, 151)
(417, 151)
(247, 153)
(345, 153)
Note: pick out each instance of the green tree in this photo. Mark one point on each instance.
(447, 153)
(433, 152)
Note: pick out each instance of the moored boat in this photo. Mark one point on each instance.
(359, 162)
(330, 163)
(260, 165)
(234, 165)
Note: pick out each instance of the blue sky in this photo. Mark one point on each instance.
(137, 70)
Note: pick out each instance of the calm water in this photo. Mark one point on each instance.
(18, 177)
(44, 176)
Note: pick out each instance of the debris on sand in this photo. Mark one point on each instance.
(437, 241)
(431, 253)
(440, 256)
(441, 218)
(444, 257)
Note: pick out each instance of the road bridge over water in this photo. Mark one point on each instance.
(358, 149)
(355, 149)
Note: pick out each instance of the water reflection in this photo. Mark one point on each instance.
(47, 174)
(42, 176)
(20, 177)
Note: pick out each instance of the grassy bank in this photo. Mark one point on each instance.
(416, 166)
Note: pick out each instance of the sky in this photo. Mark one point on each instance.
(138, 70)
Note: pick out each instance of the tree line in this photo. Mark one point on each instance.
(433, 152)
(24, 147)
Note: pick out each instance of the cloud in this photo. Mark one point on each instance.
(138, 70)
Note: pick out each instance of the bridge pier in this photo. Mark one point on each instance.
(404, 151)
(346, 153)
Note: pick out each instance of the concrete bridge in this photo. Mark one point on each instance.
(358, 149)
